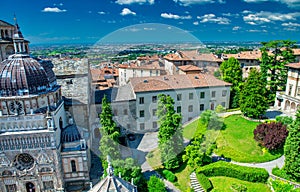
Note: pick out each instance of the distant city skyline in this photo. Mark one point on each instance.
(55, 22)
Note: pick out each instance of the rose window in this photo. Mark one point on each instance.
(23, 161)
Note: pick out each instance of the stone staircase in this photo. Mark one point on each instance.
(195, 184)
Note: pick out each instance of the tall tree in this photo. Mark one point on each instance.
(232, 73)
(170, 132)
(275, 55)
(253, 102)
(109, 132)
(292, 148)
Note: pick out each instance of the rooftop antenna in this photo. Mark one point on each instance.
(15, 19)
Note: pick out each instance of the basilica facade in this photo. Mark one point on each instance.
(41, 148)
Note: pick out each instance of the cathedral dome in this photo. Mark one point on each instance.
(22, 75)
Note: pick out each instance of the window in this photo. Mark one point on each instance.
(142, 126)
(179, 109)
(48, 185)
(190, 108)
(125, 112)
(223, 104)
(213, 94)
(128, 126)
(179, 97)
(290, 89)
(150, 73)
(191, 95)
(142, 113)
(224, 93)
(73, 166)
(298, 91)
(154, 125)
(154, 99)
(154, 112)
(141, 100)
(11, 188)
(115, 112)
(202, 95)
(201, 107)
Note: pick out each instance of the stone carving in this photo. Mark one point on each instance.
(4, 161)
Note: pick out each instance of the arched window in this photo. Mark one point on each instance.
(73, 165)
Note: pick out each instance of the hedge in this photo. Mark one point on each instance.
(222, 168)
(169, 175)
(204, 182)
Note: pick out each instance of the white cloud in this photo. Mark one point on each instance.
(290, 24)
(191, 2)
(196, 23)
(289, 3)
(268, 17)
(101, 13)
(53, 9)
(211, 18)
(230, 14)
(173, 16)
(236, 28)
(128, 2)
(257, 31)
(127, 11)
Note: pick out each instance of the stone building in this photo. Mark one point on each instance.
(289, 100)
(41, 148)
(134, 105)
(10, 40)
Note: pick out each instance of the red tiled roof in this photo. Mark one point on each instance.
(170, 82)
(189, 68)
(244, 55)
(192, 56)
(294, 65)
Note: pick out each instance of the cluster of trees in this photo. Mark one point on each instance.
(170, 139)
(254, 94)
(109, 146)
(198, 152)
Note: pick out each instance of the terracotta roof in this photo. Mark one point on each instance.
(294, 65)
(170, 82)
(244, 55)
(99, 74)
(152, 65)
(192, 56)
(189, 68)
(296, 51)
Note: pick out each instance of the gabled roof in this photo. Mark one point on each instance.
(193, 55)
(173, 82)
(5, 24)
(186, 68)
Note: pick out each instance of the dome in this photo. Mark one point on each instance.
(22, 75)
(70, 134)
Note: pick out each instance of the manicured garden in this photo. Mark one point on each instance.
(225, 184)
(236, 141)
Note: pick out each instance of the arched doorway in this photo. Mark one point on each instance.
(293, 106)
(30, 187)
(287, 105)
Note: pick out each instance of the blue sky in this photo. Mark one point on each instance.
(80, 21)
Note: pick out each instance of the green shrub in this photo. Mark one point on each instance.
(222, 168)
(238, 187)
(280, 186)
(220, 109)
(204, 182)
(169, 175)
(281, 173)
(286, 120)
(150, 154)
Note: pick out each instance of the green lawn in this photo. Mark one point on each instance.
(237, 142)
(189, 130)
(223, 184)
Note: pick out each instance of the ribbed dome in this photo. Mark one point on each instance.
(22, 75)
(70, 134)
